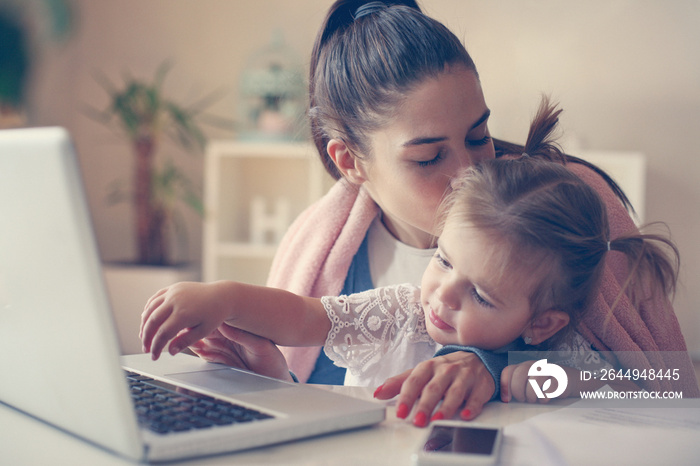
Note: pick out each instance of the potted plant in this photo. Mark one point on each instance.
(146, 116)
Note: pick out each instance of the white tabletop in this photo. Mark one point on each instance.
(26, 441)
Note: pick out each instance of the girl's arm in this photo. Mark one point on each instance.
(187, 312)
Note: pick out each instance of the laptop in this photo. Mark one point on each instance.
(59, 351)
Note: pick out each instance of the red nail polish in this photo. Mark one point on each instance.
(402, 411)
(379, 389)
(421, 419)
(465, 413)
(437, 417)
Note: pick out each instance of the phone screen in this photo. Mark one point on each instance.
(458, 439)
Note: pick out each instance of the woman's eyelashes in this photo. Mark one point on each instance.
(434, 161)
(441, 154)
(479, 142)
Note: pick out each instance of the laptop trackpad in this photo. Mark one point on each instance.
(228, 381)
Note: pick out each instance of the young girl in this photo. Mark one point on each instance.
(519, 258)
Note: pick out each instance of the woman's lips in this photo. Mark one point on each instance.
(438, 322)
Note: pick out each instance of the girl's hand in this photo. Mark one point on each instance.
(457, 379)
(237, 348)
(182, 314)
(515, 385)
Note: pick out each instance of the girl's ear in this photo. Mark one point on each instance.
(546, 325)
(348, 165)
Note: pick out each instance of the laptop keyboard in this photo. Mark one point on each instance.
(164, 408)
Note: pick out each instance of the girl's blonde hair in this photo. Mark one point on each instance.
(556, 226)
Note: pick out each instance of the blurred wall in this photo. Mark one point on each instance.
(626, 72)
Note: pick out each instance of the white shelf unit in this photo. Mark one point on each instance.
(237, 172)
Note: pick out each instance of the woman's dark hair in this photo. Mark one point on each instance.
(556, 226)
(362, 65)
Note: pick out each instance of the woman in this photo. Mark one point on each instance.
(396, 109)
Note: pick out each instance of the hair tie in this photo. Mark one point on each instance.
(368, 9)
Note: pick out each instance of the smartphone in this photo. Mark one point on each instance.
(457, 442)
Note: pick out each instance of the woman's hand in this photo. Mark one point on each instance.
(237, 348)
(458, 378)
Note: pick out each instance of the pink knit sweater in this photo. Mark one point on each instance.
(315, 255)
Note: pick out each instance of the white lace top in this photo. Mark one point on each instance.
(380, 333)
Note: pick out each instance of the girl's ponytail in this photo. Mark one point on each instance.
(652, 271)
(653, 262)
(540, 138)
(540, 142)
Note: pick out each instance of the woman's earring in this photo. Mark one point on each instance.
(527, 340)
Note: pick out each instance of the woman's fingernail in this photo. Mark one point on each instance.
(421, 419)
(465, 414)
(437, 417)
(402, 411)
(379, 389)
